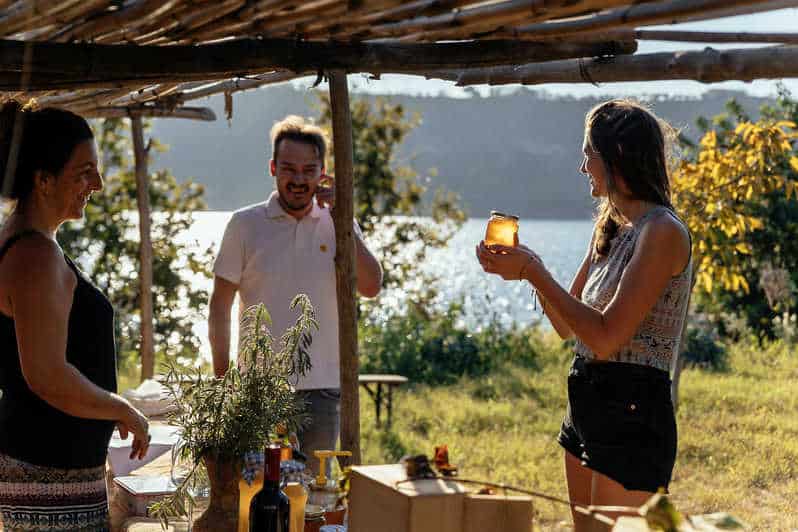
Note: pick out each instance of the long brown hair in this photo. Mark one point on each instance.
(632, 143)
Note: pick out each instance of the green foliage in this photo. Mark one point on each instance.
(228, 417)
(106, 245)
(766, 259)
(703, 350)
(235, 414)
(435, 347)
(390, 195)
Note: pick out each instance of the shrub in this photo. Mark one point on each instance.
(704, 350)
(435, 348)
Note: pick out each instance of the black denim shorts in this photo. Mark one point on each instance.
(620, 422)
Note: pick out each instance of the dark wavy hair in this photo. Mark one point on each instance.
(633, 145)
(33, 140)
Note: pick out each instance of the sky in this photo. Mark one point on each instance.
(784, 20)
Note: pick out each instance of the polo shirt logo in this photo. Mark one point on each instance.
(323, 248)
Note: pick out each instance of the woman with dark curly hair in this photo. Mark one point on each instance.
(57, 358)
(625, 308)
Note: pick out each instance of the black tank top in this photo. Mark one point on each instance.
(30, 429)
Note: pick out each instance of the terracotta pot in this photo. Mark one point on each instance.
(222, 512)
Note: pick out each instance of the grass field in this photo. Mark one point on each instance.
(738, 433)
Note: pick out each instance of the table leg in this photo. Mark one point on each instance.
(390, 404)
(378, 401)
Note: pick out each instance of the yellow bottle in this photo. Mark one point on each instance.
(297, 497)
(246, 493)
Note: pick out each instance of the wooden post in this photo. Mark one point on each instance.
(141, 153)
(343, 214)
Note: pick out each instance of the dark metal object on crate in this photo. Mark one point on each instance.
(418, 467)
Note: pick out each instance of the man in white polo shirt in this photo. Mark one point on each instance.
(272, 251)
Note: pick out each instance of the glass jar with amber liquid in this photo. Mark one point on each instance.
(502, 230)
(246, 492)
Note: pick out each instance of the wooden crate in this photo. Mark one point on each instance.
(377, 503)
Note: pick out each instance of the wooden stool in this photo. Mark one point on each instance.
(390, 382)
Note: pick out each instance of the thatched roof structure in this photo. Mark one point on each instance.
(108, 57)
(141, 58)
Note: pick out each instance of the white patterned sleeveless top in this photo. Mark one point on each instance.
(656, 341)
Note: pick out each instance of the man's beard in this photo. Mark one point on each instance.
(293, 204)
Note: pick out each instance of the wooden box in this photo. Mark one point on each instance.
(483, 513)
(377, 503)
(138, 492)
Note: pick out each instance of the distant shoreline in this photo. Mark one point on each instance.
(470, 218)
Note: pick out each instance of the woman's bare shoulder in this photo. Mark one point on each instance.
(35, 257)
(667, 236)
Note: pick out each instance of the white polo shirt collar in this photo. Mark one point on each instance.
(275, 211)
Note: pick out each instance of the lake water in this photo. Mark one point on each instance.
(560, 243)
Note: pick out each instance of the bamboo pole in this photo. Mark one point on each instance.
(712, 36)
(671, 12)
(232, 85)
(130, 16)
(500, 12)
(413, 9)
(146, 95)
(141, 153)
(476, 21)
(346, 280)
(707, 66)
(486, 27)
(250, 21)
(203, 114)
(14, 20)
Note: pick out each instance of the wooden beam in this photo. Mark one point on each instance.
(707, 66)
(84, 65)
(343, 214)
(141, 153)
(713, 36)
(232, 85)
(191, 113)
(496, 13)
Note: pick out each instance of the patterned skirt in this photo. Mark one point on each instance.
(49, 499)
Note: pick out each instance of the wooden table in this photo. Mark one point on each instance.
(121, 518)
(390, 382)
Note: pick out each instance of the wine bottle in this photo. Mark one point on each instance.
(269, 510)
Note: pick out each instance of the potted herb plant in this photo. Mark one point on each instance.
(219, 420)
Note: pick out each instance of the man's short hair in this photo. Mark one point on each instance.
(296, 128)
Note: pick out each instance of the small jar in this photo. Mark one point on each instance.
(502, 230)
(314, 521)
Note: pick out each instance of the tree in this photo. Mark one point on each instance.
(389, 198)
(106, 246)
(736, 191)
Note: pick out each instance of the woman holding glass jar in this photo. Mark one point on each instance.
(625, 307)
